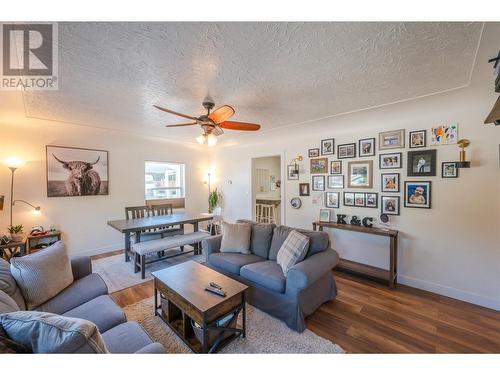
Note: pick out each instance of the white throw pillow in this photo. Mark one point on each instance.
(42, 275)
(293, 250)
(236, 238)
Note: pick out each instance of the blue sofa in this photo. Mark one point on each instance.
(307, 285)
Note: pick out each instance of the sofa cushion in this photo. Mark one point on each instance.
(292, 251)
(318, 241)
(267, 274)
(235, 238)
(81, 291)
(7, 304)
(8, 284)
(42, 275)
(232, 262)
(102, 311)
(260, 239)
(126, 338)
(50, 333)
(8, 346)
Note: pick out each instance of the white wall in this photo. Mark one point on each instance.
(452, 249)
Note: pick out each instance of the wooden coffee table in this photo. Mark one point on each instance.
(183, 300)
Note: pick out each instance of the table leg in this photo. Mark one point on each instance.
(127, 246)
(205, 336)
(196, 245)
(244, 315)
(392, 262)
(156, 301)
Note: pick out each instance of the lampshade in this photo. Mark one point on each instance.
(211, 140)
(201, 139)
(14, 162)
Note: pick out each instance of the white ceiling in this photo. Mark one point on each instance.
(275, 74)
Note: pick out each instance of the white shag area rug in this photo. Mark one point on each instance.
(265, 334)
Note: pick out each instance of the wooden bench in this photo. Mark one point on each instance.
(141, 249)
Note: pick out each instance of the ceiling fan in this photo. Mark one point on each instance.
(213, 122)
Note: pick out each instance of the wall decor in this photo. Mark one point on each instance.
(336, 167)
(360, 174)
(418, 139)
(73, 171)
(319, 165)
(421, 163)
(341, 219)
(463, 162)
(335, 182)
(359, 199)
(449, 169)
(389, 182)
(346, 151)
(390, 205)
(366, 147)
(328, 146)
(324, 215)
(348, 199)
(390, 161)
(295, 203)
(318, 183)
(332, 199)
(304, 189)
(418, 194)
(371, 200)
(292, 173)
(444, 135)
(391, 139)
(313, 152)
(367, 222)
(355, 221)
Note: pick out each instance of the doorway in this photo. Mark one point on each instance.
(266, 189)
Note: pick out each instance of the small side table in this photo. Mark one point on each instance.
(48, 238)
(9, 250)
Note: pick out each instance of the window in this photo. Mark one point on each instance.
(164, 180)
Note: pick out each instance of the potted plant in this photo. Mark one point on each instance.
(16, 232)
(214, 200)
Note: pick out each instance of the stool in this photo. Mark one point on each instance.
(267, 214)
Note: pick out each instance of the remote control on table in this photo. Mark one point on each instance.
(219, 292)
(217, 286)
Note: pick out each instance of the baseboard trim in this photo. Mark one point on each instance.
(447, 291)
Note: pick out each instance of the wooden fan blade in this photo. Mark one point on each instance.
(221, 114)
(176, 125)
(235, 125)
(175, 113)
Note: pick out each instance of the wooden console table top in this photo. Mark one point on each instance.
(357, 228)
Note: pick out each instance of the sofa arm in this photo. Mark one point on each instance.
(154, 348)
(305, 273)
(211, 245)
(81, 266)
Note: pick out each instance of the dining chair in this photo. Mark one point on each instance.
(167, 231)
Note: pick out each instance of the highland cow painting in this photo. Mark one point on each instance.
(76, 172)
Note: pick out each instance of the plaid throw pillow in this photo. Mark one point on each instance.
(293, 250)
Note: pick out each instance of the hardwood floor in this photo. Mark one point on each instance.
(367, 317)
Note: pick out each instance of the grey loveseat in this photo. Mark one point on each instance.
(86, 298)
(307, 285)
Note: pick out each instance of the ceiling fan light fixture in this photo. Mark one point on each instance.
(201, 139)
(211, 140)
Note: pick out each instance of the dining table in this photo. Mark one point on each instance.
(137, 226)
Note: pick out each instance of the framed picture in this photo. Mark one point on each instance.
(292, 172)
(360, 174)
(390, 161)
(389, 182)
(391, 139)
(348, 199)
(313, 152)
(444, 135)
(371, 200)
(418, 139)
(366, 147)
(336, 167)
(328, 146)
(304, 189)
(335, 182)
(346, 151)
(319, 165)
(449, 170)
(390, 205)
(318, 183)
(75, 171)
(332, 199)
(359, 199)
(418, 194)
(421, 163)
(324, 215)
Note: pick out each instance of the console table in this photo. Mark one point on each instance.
(389, 275)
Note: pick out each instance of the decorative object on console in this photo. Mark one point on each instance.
(384, 218)
(346, 151)
(335, 182)
(418, 139)
(360, 174)
(359, 199)
(296, 203)
(318, 183)
(324, 215)
(367, 222)
(340, 219)
(328, 146)
(449, 169)
(73, 171)
(444, 135)
(391, 139)
(390, 205)
(390, 161)
(371, 200)
(355, 221)
(332, 199)
(313, 152)
(366, 147)
(348, 199)
(16, 232)
(304, 189)
(418, 194)
(389, 182)
(319, 165)
(463, 163)
(421, 163)
(336, 167)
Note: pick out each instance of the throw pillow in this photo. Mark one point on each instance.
(7, 304)
(42, 275)
(8, 284)
(42, 332)
(236, 238)
(293, 251)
